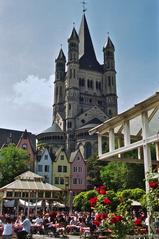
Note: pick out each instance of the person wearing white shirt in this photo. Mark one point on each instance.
(7, 229)
(26, 228)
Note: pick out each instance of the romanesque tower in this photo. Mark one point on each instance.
(84, 92)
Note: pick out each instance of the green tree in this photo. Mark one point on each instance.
(93, 171)
(120, 175)
(114, 175)
(13, 161)
(81, 200)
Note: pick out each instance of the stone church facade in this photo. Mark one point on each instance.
(85, 94)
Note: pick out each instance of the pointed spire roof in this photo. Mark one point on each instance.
(109, 44)
(74, 35)
(61, 55)
(86, 50)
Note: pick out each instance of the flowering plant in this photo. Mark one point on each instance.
(152, 198)
(110, 217)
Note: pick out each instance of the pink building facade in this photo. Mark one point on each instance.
(25, 143)
(78, 172)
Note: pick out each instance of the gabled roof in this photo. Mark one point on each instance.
(58, 152)
(26, 135)
(73, 155)
(87, 57)
(8, 136)
(42, 152)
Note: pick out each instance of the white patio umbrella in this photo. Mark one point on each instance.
(58, 204)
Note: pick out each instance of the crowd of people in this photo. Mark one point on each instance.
(55, 222)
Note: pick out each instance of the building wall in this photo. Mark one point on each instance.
(44, 166)
(24, 143)
(60, 174)
(78, 174)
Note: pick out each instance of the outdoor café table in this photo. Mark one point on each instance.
(72, 228)
(17, 227)
(84, 231)
(35, 227)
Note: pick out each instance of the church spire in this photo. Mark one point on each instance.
(86, 50)
(74, 35)
(109, 44)
(61, 56)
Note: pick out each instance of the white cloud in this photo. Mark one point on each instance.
(34, 90)
(29, 106)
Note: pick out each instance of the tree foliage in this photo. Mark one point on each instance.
(13, 161)
(93, 171)
(120, 176)
(81, 200)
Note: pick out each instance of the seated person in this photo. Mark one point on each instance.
(25, 229)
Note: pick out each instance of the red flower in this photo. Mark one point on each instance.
(101, 190)
(98, 189)
(103, 187)
(100, 216)
(116, 218)
(103, 216)
(138, 222)
(119, 218)
(113, 220)
(107, 201)
(153, 184)
(93, 201)
(97, 223)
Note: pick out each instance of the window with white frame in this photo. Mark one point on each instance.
(40, 168)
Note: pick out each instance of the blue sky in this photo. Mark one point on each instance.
(31, 33)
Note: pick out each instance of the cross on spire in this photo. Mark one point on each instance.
(84, 6)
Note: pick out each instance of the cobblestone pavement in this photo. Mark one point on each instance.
(47, 237)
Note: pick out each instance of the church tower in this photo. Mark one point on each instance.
(85, 93)
(109, 78)
(59, 85)
(72, 90)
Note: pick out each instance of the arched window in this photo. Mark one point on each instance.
(88, 150)
(56, 92)
(60, 91)
(110, 112)
(70, 73)
(74, 73)
(69, 106)
(109, 81)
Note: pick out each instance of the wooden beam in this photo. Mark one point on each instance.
(129, 160)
